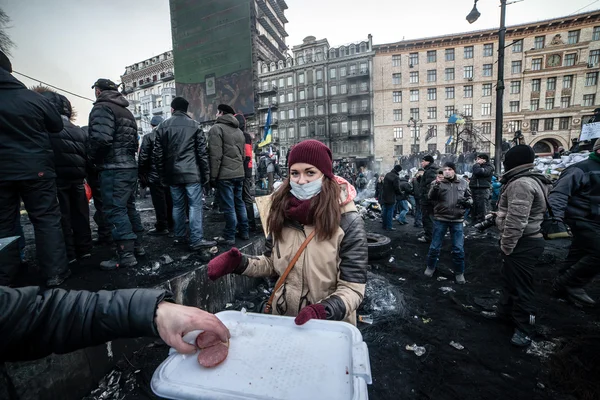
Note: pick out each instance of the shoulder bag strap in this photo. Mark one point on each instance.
(283, 277)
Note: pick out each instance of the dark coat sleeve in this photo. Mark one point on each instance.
(202, 157)
(101, 129)
(52, 119)
(397, 185)
(482, 171)
(144, 158)
(35, 323)
(215, 148)
(570, 181)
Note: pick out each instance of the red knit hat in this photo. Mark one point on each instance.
(314, 153)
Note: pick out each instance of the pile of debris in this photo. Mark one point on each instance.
(554, 166)
(369, 208)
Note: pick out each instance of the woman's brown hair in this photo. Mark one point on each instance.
(327, 212)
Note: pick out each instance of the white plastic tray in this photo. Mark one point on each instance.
(272, 358)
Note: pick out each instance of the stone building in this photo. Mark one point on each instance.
(551, 87)
(321, 92)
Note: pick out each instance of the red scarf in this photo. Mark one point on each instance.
(299, 211)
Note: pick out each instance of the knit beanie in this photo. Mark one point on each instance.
(225, 109)
(180, 104)
(156, 120)
(450, 165)
(314, 153)
(517, 156)
(5, 62)
(484, 156)
(428, 158)
(596, 145)
(397, 168)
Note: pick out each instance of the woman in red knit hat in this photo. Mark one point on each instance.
(312, 219)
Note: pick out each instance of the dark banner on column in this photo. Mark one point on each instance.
(212, 51)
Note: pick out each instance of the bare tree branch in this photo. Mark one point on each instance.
(6, 44)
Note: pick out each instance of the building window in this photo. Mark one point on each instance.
(414, 77)
(291, 114)
(334, 108)
(469, 72)
(332, 73)
(432, 112)
(397, 115)
(596, 33)
(302, 112)
(516, 67)
(564, 123)
(431, 75)
(567, 81)
(565, 102)
(342, 71)
(487, 89)
(449, 93)
(539, 42)
(414, 113)
(536, 85)
(397, 133)
(320, 92)
(591, 79)
(431, 56)
(573, 37)
(397, 97)
(468, 110)
(301, 78)
(551, 84)
(319, 75)
(290, 97)
(396, 60)
(449, 54)
(534, 105)
(303, 131)
(432, 94)
(570, 59)
(320, 109)
(413, 59)
(535, 125)
(282, 115)
(488, 69)
(335, 128)
(344, 107)
(343, 89)
(549, 124)
(398, 150)
(594, 57)
(414, 95)
(549, 103)
(396, 79)
(468, 91)
(432, 131)
(281, 82)
(514, 106)
(468, 52)
(449, 74)
(589, 100)
(486, 109)
(514, 126)
(518, 46)
(333, 90)
(282, 98)
(536, 64)
(301, 95)
(488, 50)
(515, 87)
(486, 128)
(448, 111)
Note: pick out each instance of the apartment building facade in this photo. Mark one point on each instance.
(324, 93)
(551, 87)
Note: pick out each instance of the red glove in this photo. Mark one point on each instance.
(224, 264)
(314, 311)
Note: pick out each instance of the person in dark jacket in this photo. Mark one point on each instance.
(429, 175)
(160, 193)
(450, 196)
(416, 184)
(402, 200)
(575, 199)
(378, 186)
(70, 158)
(227, 152)
(480, 185)
(361, 182)
(391, 189)
(113, 144)
(247, 195)
(181, 160)
(35, 323)
(27, 120)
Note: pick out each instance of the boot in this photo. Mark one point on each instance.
(251, 217)
(138, 246)
(124, 258)
(579, 295)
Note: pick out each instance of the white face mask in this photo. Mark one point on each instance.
(308, 190)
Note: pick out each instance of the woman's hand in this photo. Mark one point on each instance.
(224, 264)
(314, 311)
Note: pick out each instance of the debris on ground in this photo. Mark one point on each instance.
(542, 348)
(441, 278)
(166, 259)
(457, 345)
(418, 350)
(367, 319)
(447, 289)
(382, 298)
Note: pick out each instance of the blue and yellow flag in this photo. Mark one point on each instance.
(267, 137)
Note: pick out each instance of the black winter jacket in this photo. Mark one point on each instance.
(180, 152)
(26, 121)
(146, 164)
(482, 176)
(404, 189)
(425, 184)
(226, 146)
(576, 194)
(450, 198)
(35, 323)
(113, 136)
(391, 188)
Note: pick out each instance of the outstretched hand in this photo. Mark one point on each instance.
(314, 311)
(224, 264)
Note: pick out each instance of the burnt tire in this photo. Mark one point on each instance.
(380, 246)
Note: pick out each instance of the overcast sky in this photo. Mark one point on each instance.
(70, 43)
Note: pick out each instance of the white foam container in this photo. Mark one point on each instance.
(272, 358)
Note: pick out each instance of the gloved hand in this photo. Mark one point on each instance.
(213, 183)
(224, 264)
(314, 311)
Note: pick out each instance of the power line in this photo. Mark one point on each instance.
(593, 2)
(54, 87)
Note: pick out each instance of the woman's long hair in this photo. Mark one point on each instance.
(325, 206)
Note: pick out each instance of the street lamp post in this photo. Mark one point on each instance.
(414, 123)
(472, 17)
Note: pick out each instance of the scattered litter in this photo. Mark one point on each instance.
(228, 305)
(457, 345)
(185, 257)
(418, 350)
(402, 279)
(541, 349)
(391, 260)
(427, 320)
(416, 255)
(382, 298)
(416, 317)
(489, 314)
(213, 250)
(155, 265)
(507, 376)
(367, 319)
(166, 259)
(446, 289)
(470, 307)
(541, 385)
(442, 278)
